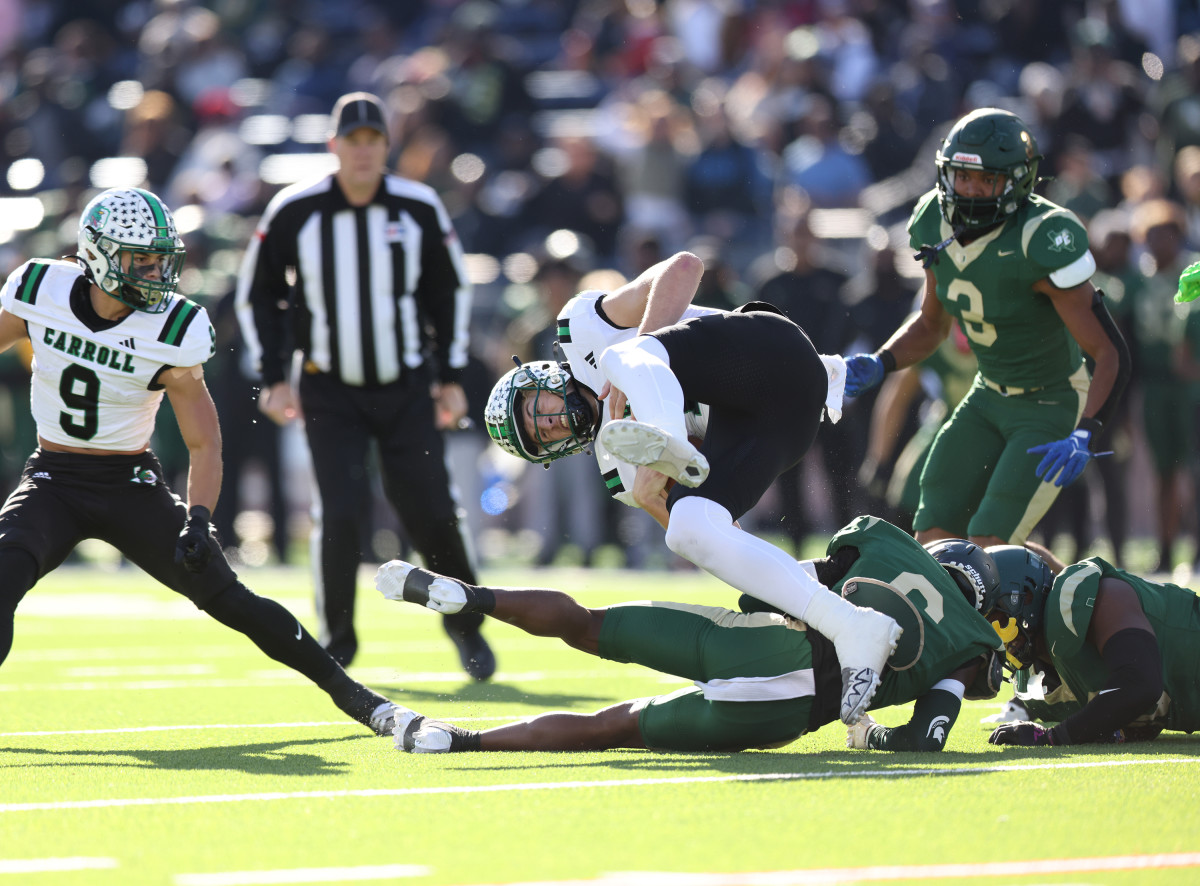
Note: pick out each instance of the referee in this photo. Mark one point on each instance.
(352, 298)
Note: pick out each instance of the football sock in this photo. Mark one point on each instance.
(353, 698)
(460, 739)
(416, 590)
(20, 573)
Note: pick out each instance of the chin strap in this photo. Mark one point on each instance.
(928, 255)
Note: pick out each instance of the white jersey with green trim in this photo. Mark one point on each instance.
(584, 333)
(98, 388)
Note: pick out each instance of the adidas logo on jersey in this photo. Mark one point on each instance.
(41, 475)
(128, 343)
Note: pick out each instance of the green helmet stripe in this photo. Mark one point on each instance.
(156, 208)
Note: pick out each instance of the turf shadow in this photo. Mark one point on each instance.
(273, 758)
(498, 693)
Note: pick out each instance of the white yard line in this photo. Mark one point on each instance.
(8, 808)
(304, 875)
(49, 865)
(287, 677)
(819, 877)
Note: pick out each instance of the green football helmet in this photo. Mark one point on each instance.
(129, 222)
(991, 140)
(1017, 607)
(505, 412)
(971, 567)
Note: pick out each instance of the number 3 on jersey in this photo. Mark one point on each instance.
(977, 329)
(79, 388)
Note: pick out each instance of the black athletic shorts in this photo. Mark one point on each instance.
(64, 498)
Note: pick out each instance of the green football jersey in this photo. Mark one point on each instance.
(954, 632)
(1017, 336)
(1173, 613)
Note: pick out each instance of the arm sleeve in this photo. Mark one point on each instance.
(1134, 686)
(1124, 361)
(262, 299)
(933, 715)
(444, 293)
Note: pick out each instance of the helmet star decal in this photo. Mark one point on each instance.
(130, 249)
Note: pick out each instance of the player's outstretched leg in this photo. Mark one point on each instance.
(703, 532)
(278, 633)
(643, 444)
(400, 580)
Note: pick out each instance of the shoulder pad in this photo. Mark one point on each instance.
(1054, 238)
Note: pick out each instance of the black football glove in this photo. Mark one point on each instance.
(1021, 732)
(192, 548)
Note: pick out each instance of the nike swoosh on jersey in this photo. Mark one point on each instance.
(299, 630)
(1106, 691)
(1001, 253)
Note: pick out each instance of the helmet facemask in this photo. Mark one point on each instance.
(555, 393)
(991, 141)
(1017, 607)
(130, 248)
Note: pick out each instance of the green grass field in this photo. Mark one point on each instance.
(142, 743)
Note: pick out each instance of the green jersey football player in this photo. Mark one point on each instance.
(1126, 650)
(761, 678)
(1014, 269)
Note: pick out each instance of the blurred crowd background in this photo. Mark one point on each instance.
(576, 142)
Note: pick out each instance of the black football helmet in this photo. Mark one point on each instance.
(1017, 607)
(971, 567)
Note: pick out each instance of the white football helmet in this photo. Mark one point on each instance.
(131, 222)
(503, 414)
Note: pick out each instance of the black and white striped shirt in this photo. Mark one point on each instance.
(372, 291)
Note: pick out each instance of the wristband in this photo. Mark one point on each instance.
(888, 359)
(1091, 425)
(201, 512)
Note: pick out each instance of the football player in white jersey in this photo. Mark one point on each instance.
(109, 336)
(750, 390)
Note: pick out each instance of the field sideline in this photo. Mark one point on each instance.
(141, 743)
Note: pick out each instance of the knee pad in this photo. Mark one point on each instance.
(696, 528)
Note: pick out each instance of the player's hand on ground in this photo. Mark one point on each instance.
(863, 372)
(1064, 460)
(279, 403)
(1021, 732)
(192, 548)
(856, 735)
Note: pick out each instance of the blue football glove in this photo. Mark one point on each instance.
(1066, 458)
(863, 372)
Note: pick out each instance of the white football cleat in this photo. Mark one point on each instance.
(400, 580)
(638, 443)
(863, 639)
(390, 716)
(1012, 712)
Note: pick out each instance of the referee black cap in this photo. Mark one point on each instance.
(356, 110)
